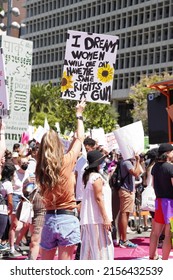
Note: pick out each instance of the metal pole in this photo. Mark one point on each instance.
(9, 17)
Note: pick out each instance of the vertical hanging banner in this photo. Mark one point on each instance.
(18, 65)
(89, 66)
(4, 99)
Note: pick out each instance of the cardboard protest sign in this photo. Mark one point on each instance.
(111, 142)
(4, 99)
(107, 140)
(89, 66)
(130, 139)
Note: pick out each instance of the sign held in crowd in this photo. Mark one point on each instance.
(89, 66)
(130, 139)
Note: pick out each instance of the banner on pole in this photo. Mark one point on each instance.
(18, 66)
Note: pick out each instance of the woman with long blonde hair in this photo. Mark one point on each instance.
(55, 177)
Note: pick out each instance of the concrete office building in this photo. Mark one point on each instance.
(145, 29)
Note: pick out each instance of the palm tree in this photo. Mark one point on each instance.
(44, 99)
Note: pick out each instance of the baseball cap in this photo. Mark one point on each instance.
(165, 147)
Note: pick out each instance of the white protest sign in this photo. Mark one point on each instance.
(57, 127)
(98, 135)
(46, 125)
(4, 99)
(89, 66)
(130, 139)
(39, 133)
(31, 130)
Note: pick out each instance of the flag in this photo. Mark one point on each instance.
(46, 125)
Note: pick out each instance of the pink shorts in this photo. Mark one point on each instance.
(163, 210)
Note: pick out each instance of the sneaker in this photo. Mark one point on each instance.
(4, 247)
(127, 244)
(14, 255)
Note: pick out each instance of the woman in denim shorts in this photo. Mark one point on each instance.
(55, 177)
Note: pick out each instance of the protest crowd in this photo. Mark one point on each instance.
(77, 204)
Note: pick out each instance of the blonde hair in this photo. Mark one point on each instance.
(49, 162)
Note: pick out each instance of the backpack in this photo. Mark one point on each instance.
(116, 181)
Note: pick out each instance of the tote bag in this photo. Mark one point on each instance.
(148, 199)
(26, 213)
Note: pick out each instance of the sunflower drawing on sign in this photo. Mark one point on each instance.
(105, 73)
(66, 82)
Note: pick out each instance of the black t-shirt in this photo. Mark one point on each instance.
(162, 173)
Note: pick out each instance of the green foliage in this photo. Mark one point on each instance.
(138, 95)
(45, 101)
(40, 118)
(100, 115)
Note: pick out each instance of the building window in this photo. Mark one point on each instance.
(133, 55)
(157, 55)
(164, 54)
(151, 56)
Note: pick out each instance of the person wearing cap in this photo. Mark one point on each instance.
(96, 212)
(162, 173)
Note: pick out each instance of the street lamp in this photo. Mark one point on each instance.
(10, 11)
